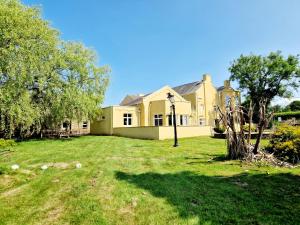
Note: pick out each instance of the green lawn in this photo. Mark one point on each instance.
(129, 181)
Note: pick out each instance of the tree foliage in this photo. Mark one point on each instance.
(294, 106)
(263, 78)
(43, 79)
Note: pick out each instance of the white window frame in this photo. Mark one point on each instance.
(127, 119)
(170, 116)
(85, 125)
(184, 120)
(158, 117)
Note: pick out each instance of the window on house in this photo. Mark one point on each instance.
(201, 109)
(227, 101)
(183, 120)
(127, 119)
(201, 122)
(170, 120)
(85, 125)
(65, 125)
(158, 120)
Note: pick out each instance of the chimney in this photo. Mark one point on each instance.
(227, 84)
(206, 78)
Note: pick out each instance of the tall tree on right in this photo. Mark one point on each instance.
(294, 106)
(262, 78)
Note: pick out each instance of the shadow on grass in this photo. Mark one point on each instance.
(240, 199)
(215, 158)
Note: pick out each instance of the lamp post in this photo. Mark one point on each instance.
(172, 101)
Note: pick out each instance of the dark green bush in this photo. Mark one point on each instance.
(285, 143)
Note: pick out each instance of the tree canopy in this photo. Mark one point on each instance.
(43, 79)
(294, 106)
(262, 78)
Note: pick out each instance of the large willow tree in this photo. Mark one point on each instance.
(43, 80)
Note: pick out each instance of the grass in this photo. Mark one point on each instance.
(129, 181)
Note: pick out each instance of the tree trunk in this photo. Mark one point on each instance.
(260, 133)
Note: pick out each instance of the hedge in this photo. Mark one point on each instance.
(287, 115)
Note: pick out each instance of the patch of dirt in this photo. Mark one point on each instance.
(241, 184)
(13, 191)
(6, 180)
(54, 214)
(128, 209)
(58, 165)
(27, 172)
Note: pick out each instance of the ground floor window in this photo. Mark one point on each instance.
(127, 119)
(184, 120)
(65, 125)
(158, 120)
(85, 125)
(170, 120)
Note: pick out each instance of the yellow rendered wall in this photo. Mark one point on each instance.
(192, 99)
(157, 103)
(206, 95)
(103, 125)
(118, 115)
(76, 127)
(164, 107)
(113, 117)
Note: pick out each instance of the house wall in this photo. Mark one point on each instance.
(206, 98)
(157, 103)
(113, 117)
(210, 100)
(103, 125)
(164, 107)
(77, 127)
(118, 113)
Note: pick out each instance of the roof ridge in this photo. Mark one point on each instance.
(187, 83)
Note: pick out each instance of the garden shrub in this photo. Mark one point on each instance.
(246, 127)
(219, 130)
(285, 143)
(6, 144)
(218, 127)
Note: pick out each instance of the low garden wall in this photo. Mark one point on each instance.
(161, 133)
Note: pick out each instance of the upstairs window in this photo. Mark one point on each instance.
(158, 120)
(84, 125)
(127, 119)
(201, 109)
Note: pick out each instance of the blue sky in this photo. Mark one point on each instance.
(152, 43)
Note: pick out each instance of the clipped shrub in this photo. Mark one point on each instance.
(285, 143)
(219, 130)
(246, 127)
(6, 144)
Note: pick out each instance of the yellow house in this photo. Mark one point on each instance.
(150, 116)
